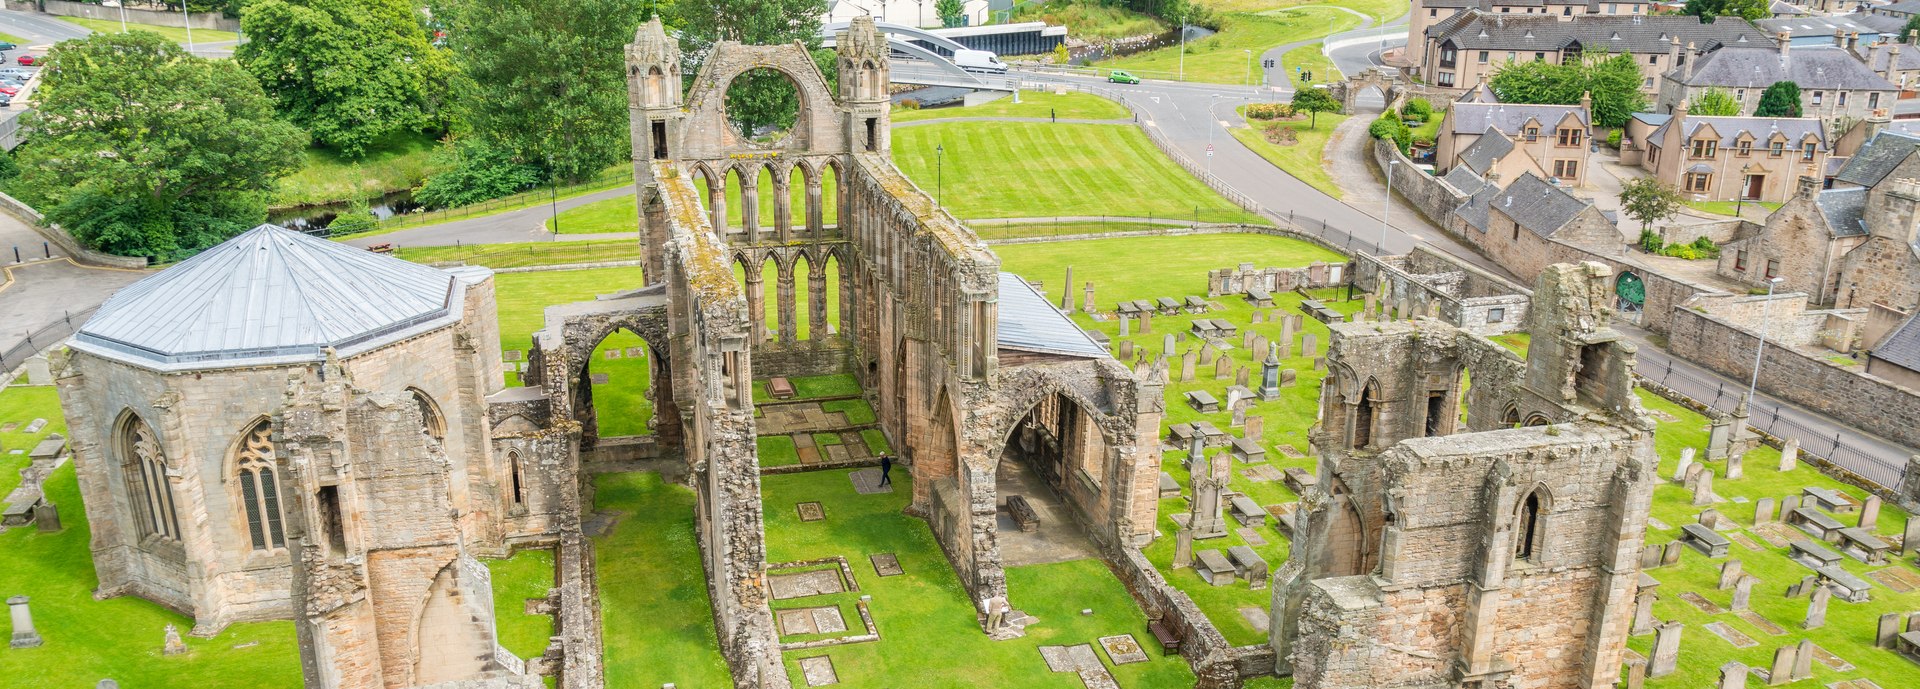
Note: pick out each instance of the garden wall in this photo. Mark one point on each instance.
(204, 20)
(1433, 196)
(1216, 663)
(66, 242)
(1867, 402)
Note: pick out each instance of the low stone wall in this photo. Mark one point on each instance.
(1215, 662)
(59, 237)
(803, 358)
(1432, 195)
(1870, 403)
(1720, 232)
(1224, 228)
(201, 20)
(576, 626)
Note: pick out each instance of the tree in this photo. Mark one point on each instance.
(1708, 10)
(1316, 101)
(477, 171)
(952, 12)
(140, 149)
(1906, 32)
(1715, 102)
(761, 98)
(1390, 126)
(1649, 200)
(1782, 99)
(350, 72)
(1611, 81)
(545, 80)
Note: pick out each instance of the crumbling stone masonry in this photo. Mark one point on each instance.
(1427, 282)
(1497, 550)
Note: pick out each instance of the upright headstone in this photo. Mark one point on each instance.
(1910, 537)
(1066, 291)
(1258, 317)
(1146, 322)
(1241, 376)
(1240, 414)
(1222, 367)
(1703, 489)
(1270, 378)
(1183, 548)
(1817, 608)
(1790, 454)
(1720, 436)
(1910, 485)
(1285, 343)
(1781, 672)
(1126, 325)
(1733, 675)
(107, 684)
(1762, 511)
(1126, 348)
(1643, 612)
(1260, 348)
(174, 645)
(1870, 512)
(1666, 649)
(1889, 629)
(1187, 362)
(1255, 425)
(46, 517)
(1210, 477)
(1803, 660)
(1206, 354)
(24, 635)
(1729, 574)
(1788, 504)
(1168, 344)
(1087, 303)
(1686, 462)
(1246, 337)
(1743, 592)
(1309, 345)
(1736, 466)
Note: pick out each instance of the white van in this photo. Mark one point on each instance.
(982, 61)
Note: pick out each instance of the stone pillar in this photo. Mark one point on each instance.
(816, 211)
(757, 302)
(750, 204)
(1666, 649)
(1086, 302)
(24, 635)
(1870, 512)
(717, 204)
(1790, 454)
(1270, 377)
(1817, 608)
(1733, 675)
(1066, 292)
(783, 207)
(817, 324)
(789, 322)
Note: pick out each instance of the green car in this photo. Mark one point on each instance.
(1120, 77)
(7, 46)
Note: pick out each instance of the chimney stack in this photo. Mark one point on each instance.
(1785, 42)
(1687, 73)
(1893, 62)
(1673, 54)
(1809, 187)
(1839, 38)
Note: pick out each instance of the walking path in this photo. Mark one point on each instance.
(1035, 120)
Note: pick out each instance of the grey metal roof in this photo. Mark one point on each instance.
(1812, 67)
(1802, 27)
(1844, 210)
(1779, 8)
(1029, 323)
(1537, 204)
(1878, 157)
(1887, 26)
(269, 295)
(1475, 29)
(1760, 129)
(1509, 118)
(1490, 147)
(1902, 347)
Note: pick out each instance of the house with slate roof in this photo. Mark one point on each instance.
(1834, 84)
(1857, 136)
(1820, 30)
(1731, 158)
(1459, 50)
(1520, 226)
(1426, 13)
(1897, 357)
(1552, 140)
(1851, 246)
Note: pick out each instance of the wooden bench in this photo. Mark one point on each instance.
(1023, 513)
(780, 388)
(1169, 642)
(381, 248)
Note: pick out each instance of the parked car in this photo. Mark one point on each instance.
(9, 90)
(30, 60)
(1121, 77)
(7, 46)
(6, 101)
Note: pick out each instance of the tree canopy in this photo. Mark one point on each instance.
(1715, 102)
(762, 98)
(143, 150)
(1782, 99)
(952, 12)
(1649, 200)
(1612, 81)
(1709, 10)
(1316, 101)
(350, 72)
(544, 80)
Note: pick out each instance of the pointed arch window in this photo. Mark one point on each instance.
(430, 420)
(151, 494)
(519, 489)
(260, 488)
(1529, 533)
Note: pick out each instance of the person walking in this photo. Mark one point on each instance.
(886, 468)
(1051, 115)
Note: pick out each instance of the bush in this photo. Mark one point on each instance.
(1418, 109)
(354, 221)
(909, 104)
(480, 172)
(1700, 248)
(1613, 139)
(1389, 126)
(1270, 111)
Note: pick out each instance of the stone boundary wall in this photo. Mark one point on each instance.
(53, 233)
(63, 8)
(1433, 196)
(1720, 232)
(576, 624)
(1407, 291)
(804, 358)
(1871, 403)
(1214, 661)
(1222, 228)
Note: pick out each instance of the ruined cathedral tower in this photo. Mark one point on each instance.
(1496, 550)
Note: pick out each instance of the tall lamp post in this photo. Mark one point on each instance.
(1249, 65)
(940, 175)
(1183, 46)
(1762, 347)
(187, 15)
(1387, 207)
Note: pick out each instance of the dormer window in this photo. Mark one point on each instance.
(1777, 148)
(1570, 138)
(1705, 148)
(1533, 133)
(1807, 150)
(1743, 148)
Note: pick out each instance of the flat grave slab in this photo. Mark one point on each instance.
(1169, 488)
(1123, 649)
(1262, 473)
(1777, 534)
(1861, 683)
(886, 564)
(819, 671)
(867, 481)
(817, 582)
(1290, 451)
(1214, 567)
(1251, 536)
(1760, 621)
(600, 379)
(636, 352)
(1706, 606)
(1731, 635)
(811, 511)
(1900, 579)
(1070, 658)
(9, 426)
(1744, 540)
(820, 620)
(1261, 621)
(1833, 662)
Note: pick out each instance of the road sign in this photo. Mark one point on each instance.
(1209, 150)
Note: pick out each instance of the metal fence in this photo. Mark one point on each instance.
(39, 340)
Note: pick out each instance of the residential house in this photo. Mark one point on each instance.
(1833, 83)
(1903, 10)
(1865, 130)
(1555, 140)
(1819, 30)
(1894, 61)
(1733, 158)
(1897, 357)
(1851, 246)
(1426, 13)
(1461, 49)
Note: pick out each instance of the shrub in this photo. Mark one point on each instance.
(353, 222)
(480, 172)
(1389, 126)
(1613, 138)
(1269, 111)
(1418, 109)
(909, 104)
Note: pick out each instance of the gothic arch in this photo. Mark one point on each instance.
(1024, 390)
(432, 421)
(818, 126)
(1530, 520)
(143, 462)
(254, 469)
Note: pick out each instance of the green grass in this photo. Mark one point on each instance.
(857, 411)
(523, 254)
(1516, 341)
(804, 327)
(398, 163)
(1023, 170)
(1380, 10)
(614, 176)
(528, 574)
(812, 387)
(1090, 20)
(618, 214)
(172, 33)
(1308, 57)
(521, 299)
(1727, 207)
(777, 451)
(1179, 265)
(1220, 58)
(876, 441)
(22, 404)
(657, 619)
(1071, 105)
(1430, 129)
(10, 38)
(991, 230)
(929, 633)
(1842, 360)
(1306, 159)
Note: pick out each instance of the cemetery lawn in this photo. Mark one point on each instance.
(1306, 158)
(657, 620)
(1027, 170)
(1380, 10)
(1180, 268)
(21, 404)
(1849, 629)
(172, 33)
(522, 298)
(1308, 57)
(929, 635)
(522, 254)
(1219, 58)
(1072, 105)
(528, 574)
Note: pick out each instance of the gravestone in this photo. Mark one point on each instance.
(1260, 348)
(1258, 316)
(1246, 338)
(1210, 477)
(1743, 593)
(1910, 537)
(1183, 548)
(39, 372)
(1790, 454)
(1309, 345)
(1146, 322)
(174, 645)
(46, 517)
(1126, 325)
(1692, 475)
(1288, 378)
(1066, 291)
(1636, 673)
(1729, 574)
(1167, 344)
(1736, 466)
(1762, 511)
(886, 564)
(1817, 608)
(1870, 512)
(1366, 309)
(1781, 672)
(1187, 362)
(1270, 378)
(1686, 462)
(1666, 649)
(1222, 367)
(107, 684)
(1787, 505)
(1123, 649)
(1241, 376)
(1319, 363)
(1285, 343)
(1254, 426)
(818, 671)
(1643, 612)
(1672, 555)
(1703, 490)
(1087, 303)
(24, 635)
(1803, 660)
(1888, 630)
(1733, 675)
(1126, 346)
(810, 511)
(1206, 354)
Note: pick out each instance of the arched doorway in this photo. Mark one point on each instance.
(612, 393)
(1047, 459)
(1630, 295)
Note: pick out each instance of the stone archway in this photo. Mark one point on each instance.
(1373, 80)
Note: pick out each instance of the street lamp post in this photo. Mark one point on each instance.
(1762, 347)
(1249, 65)
(1387, 207)
(1183, 47)
(123, 17)
(187, 16)
(940, 175)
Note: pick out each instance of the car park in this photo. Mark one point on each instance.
(30, 59)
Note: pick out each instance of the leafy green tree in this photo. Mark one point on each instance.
(1418, 109)
(1782, 99)
(1715, 102)
(1906, 32)
(1538, 81)
(761, 98)
(478, 171)
(1649, 200)
(952, 12)
(1316, 101)
(544, 80)
(142, 150)
(1612, 81)
(1744, 9)
(1390, 126)
(351, 72)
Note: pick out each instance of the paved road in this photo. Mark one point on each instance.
(524, 225)
(40, 30)
(44, 288)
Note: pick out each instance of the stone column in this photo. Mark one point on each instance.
(750, 204)
(717, 204)
(1270, 377)
(789, 325)
(783, 207)
(1066, 292)
(24, 635)
(817, 299)
(816, 212)
(757, 302)
(1666, 649)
